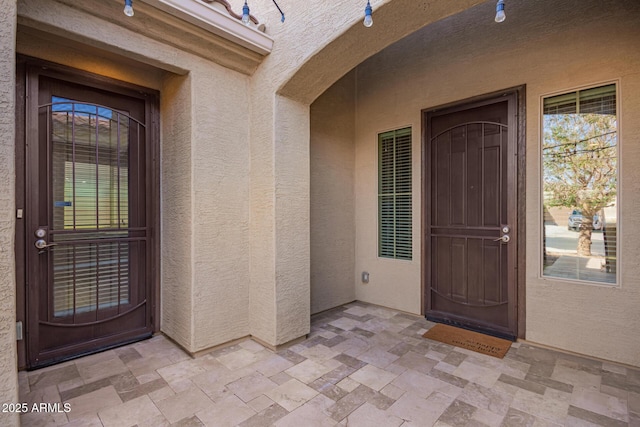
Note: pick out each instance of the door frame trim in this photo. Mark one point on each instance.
(29, 69)
(519, 110)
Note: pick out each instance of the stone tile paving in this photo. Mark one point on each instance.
(362, 365)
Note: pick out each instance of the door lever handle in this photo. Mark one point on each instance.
(42, 244)
(503, 239)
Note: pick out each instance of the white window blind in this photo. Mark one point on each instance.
(394, 194)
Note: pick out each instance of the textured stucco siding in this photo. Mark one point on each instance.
(262, 295)
(279, 295)
(8, 374)
(280, 266)
(221, 171)
(469, 55)
(309, 55)
(176, 288)
(327, 41)
(392, 283)
(332, 222)
(292, 220)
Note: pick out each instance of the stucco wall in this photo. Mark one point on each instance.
(279, 295)
(310, 53)
(581, 43)
(8, 376)
(177, 211)
(262, 294)
(292, 220)
(221, 214)
(332, 221)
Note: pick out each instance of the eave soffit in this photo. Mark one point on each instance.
(206, 29)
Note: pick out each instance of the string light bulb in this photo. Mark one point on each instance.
(368, 12)
(500, 15)
(368, 19)
(128, 8)
(246, 18)
(279, 10)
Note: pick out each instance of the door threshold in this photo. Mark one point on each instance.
(89, 352)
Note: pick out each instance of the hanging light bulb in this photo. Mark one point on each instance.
(500, 15)
(279, 10)
(368, 20)
(128, 7)
(246, 18)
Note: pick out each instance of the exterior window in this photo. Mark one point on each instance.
(580, 181)
(394, 194)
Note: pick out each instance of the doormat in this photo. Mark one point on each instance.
(474, 341)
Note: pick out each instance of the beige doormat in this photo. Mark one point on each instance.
(474, 341)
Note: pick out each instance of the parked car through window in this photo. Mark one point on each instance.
(575, 221)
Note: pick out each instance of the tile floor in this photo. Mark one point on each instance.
(362, 365)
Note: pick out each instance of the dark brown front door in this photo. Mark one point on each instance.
(470, 216)
(88, 216)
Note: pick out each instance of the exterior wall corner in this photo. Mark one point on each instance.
(8, 356)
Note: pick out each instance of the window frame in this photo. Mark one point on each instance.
(619, 189)
(379, 135)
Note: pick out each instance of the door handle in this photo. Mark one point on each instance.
(42, 244)
(503, 239)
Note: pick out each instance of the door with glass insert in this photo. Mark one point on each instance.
(88, 261)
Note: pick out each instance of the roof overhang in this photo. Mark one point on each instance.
(217, 22)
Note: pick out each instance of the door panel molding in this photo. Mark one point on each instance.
(515, 255)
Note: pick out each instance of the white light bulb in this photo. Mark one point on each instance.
(500, 15)
(246, 18)
(128, 8)
(368, 19)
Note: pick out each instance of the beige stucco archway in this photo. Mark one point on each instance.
(308, 57)
(346, 47)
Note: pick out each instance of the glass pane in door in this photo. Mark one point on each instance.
(90, 208)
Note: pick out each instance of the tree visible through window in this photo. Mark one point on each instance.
(580, 169)
(394, 194)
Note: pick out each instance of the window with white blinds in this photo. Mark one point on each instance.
(394, 194)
